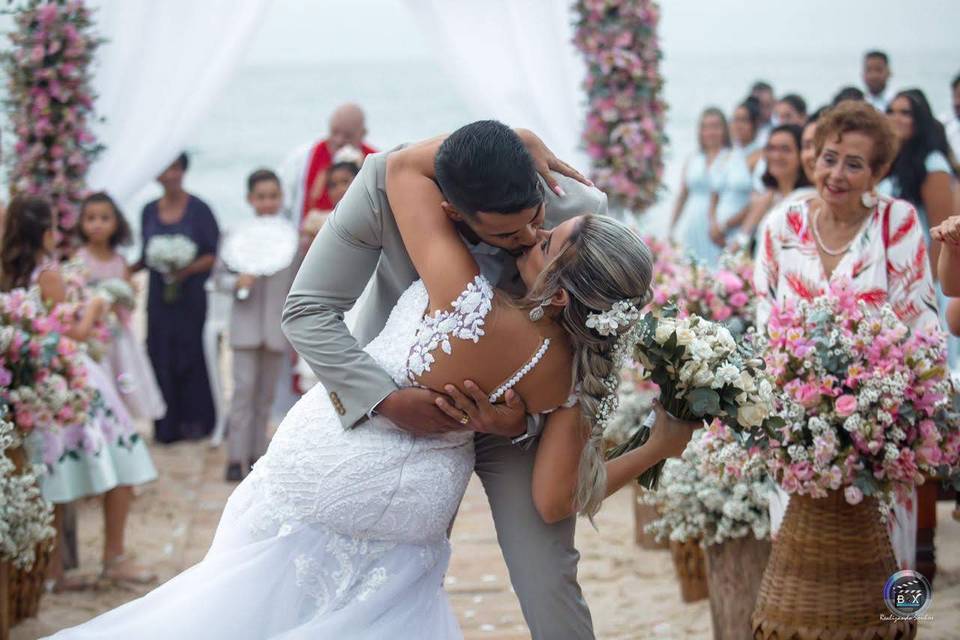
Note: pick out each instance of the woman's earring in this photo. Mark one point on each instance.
(869, 199)
(536, 314)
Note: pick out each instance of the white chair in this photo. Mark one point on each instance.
(214, 330)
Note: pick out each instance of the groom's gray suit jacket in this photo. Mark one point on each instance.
(361, 240)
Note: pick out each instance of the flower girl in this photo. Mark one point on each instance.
(102, 229)
(102, 454)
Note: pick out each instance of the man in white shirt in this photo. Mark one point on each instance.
(951, 119)
(876, 77)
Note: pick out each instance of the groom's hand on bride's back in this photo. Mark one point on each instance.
(415, 410)
(507, 419)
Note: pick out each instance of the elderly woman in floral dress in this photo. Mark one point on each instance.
(848, 231)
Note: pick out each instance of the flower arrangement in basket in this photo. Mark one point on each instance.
(42, 378)
(26, 519)
(717, 491)
(168, 254)
(864, 401)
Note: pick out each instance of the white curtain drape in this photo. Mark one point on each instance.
(513, 60)
(161, 68)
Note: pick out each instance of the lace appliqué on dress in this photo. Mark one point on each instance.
(470, 309)
(330, 586)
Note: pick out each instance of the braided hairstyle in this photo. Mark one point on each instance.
(604, 262)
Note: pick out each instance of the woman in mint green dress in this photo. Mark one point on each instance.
(103, 455)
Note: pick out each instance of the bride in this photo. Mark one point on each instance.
(342, 533)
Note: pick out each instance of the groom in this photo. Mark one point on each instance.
(491, 173)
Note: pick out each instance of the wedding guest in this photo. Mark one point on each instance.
(951, 118)
(808, 149)
(783, 177)
(306, 170)
(103, 229)
(848, 93)
(876, 79)
(693, 200)
(259, 347)
(733, 182)
(922, 172)
(844, 232)
(763, 92)
(341, 173)
(109, 458)
(175, 326)
(790, 109)
(948, 235)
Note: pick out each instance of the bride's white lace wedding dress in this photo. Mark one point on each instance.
(334, 534)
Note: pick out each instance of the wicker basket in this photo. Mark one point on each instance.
(689, 564)
(644, 514)
(24, 588)
(826, 573)
(734, 571)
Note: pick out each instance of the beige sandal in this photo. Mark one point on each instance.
(123, 570)
(72, 583)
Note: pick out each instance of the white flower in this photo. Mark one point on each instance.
(685, 335)
(608, 323)
(746, 382)
(726, 374)
(703, 377)
(751, 415)
(699, 349)
(665, 329)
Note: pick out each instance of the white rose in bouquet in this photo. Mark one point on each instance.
(167, 254)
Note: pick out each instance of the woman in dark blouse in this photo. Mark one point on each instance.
(175, 328)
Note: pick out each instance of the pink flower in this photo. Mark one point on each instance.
(739, 299)
(845, 405)
(853, 495)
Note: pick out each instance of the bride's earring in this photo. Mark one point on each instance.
(869, 199)
(536, 314)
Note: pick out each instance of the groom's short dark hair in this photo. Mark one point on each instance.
(484, 166)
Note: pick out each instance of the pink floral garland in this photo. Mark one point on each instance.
(624, 133)
(51, 102)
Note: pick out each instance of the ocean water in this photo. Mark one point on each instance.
(266, 111)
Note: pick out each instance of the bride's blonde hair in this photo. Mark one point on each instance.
(603, 263)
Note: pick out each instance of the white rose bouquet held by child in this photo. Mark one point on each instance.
(168, 254)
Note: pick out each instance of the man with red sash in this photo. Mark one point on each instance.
(306, 170)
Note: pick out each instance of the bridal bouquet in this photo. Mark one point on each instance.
(167, 254)
(863, 400)
(702, 374)
(25, 518)
(42, 378)
(717, 491)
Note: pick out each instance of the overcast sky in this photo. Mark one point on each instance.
(317, 30)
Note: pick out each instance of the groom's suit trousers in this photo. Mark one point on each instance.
(360, 243)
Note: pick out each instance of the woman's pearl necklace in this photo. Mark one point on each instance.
(833, 252)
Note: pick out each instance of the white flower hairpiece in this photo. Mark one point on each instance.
(348, 153)
(622, 314)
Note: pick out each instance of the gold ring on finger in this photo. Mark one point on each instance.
(465, 419)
